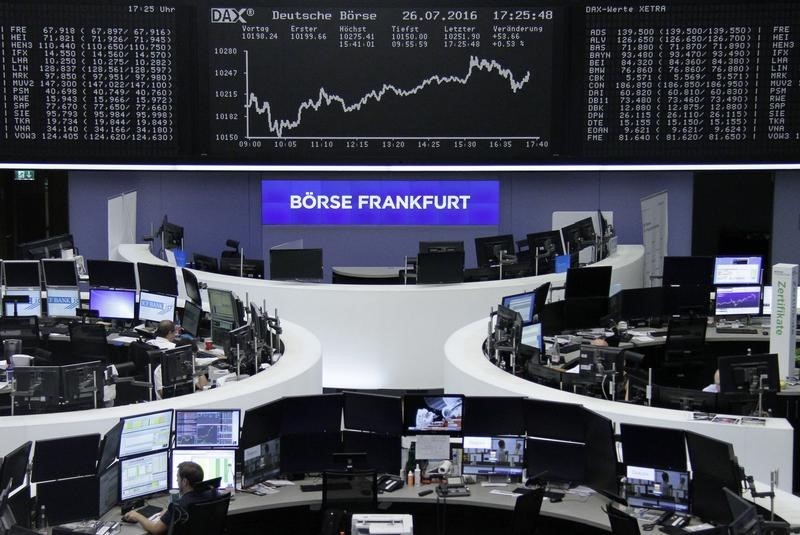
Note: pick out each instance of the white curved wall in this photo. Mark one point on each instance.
(298, 372)
(759, 449)
(389, 336)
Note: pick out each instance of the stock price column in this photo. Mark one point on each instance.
(381, 85)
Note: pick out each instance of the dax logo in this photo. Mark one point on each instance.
(229, 15)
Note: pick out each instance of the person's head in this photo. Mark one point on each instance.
(501, 444)
(665, 477)
(190, 476)
(166, 329)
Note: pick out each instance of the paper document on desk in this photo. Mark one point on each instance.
(642, 339)
(504, 492)
(580, 490)
(122, 340)
(279, 482)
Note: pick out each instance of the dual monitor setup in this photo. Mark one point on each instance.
(287, 264)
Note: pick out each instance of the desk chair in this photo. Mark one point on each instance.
(686, 338)
(350, 492)
(145, 358)
(201, 518)
(87, 341)
(526, 513)
(621, 522)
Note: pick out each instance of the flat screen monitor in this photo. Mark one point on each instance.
(493, 456)
(145, 433)
(640, 304)
(601, 454)
(373, 412)
(63, 302)
(111, 274)
(156, 307)
(60, 246)
(157, 279)
(190, 320)
(588, 234)
(15, 467)
(737, 270)
(556, 462)
(33, 306)
(295, 264)
(687, 270)
(68, 500)
(523, 303)
(62, 458)
(248, 267)
(440, 246)
(205, 263)
(312, 414)
(192, 287)
(584, 312)
(715, 458)
(383, 451)
(489, 248)
(171, 234)
(440, 268)
(261, 462)
(308, 452)
(588, 282)
(563, 263)
(82, 382)
(108, 490)
(215, 464)
(441, 413)
(21, 274)
(546, 243)
(687, 300)
(113, 304)
(532, 337)
(745, 374)
(42, 384)
(493, 415)
(599, 361)
(745, 519)
(573, 236)
(658, 447)
(261, 424)
(109, 448)
(59, 273)
(655, 488)
(738, 300)
(685, 399)
(144, 475)
(217, 428)
(554, 420)
(222, 304)
(766, 296)
(177, 366)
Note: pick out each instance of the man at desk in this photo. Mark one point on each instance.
(166, 334)
(190, 481)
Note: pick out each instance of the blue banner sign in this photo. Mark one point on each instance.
(380, 202)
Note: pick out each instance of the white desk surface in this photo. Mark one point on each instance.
(367, 272)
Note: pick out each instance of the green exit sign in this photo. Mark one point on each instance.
(24, 174)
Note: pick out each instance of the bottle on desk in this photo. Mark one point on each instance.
(417, 476)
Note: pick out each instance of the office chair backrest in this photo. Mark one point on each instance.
(207, 517)
(87, 341)
(621, 522)
(355, 491)
(526, 513)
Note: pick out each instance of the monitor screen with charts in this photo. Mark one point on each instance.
(207, 428)
(657, 489)
(143, 476)
(145, 433)
(737, 270)
(738, 300)
(215, 464)
(156, 307)
(494, 456)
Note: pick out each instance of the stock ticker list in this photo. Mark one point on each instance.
(386, 84)
(719, 80)
(88, 79)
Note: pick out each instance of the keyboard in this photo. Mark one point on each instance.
(148, 510)
(737, 330)
(57, 328)
(547, 493)
(658, 334)
(317, 487)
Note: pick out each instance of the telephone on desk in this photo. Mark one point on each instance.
(389, 483)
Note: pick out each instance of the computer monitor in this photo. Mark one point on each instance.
(239, 343)
(215, 464)
(31, 308)
(68, 500)
(177, 366)
(588, 234)
(222, 304)
(21, 274)
(687, 300)
(588, 282)
(381, 453)
(547, 243)
(684, 399)
(41, 385)
(373, 412)
(108, 490)
(600, 454)
(261, 462)
(111, 274)
(746, 374)
(640, 305)
(171, 234)
(766, 296)
(261, 424)
(738, 300)
(744, 515)
(599, 361)
(53, 247)
(15, 467)
(441, 246)
(308, 452)
(156, 307)
(109, 447)
(442, 413)
(65, 457)
(157, 279)
(737, 270)
(192, 287)
(657, 447)
(205, 263)
(212, 428)
(489, 248)
(62, 302)
(523, 303)
(312, 414)
(555, 461)
(190, 320)
(573, 236)
(687, 270)
(488, 456)
(445, 267)
(655, 488)
(554, 420)
(532, 337)
(145, 433)
(113, 304)
(564, 262)
(144, 475)
(295, 264)
(714, 466)
(584, 312)
(82, 382)
(59, 273)
(493, 415)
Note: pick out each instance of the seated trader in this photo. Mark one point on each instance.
(713, 387)
(190, 485)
